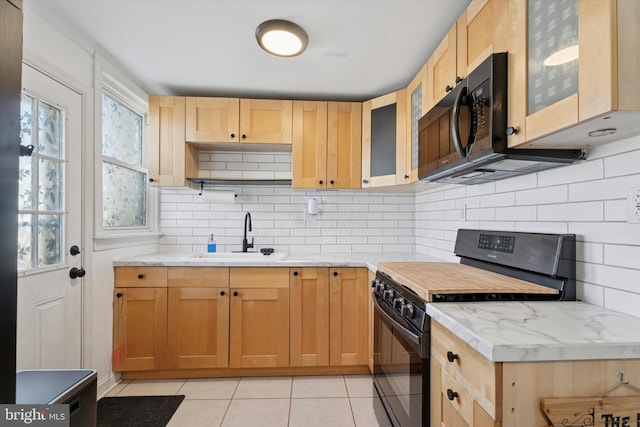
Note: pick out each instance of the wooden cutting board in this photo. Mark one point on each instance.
(429, 278)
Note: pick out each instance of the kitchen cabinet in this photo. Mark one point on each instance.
(171, 159)
(348, 311)
(327, 141)
(221, 120)
(416, 107)
(140, 319)
(443, 74)
(581, 102)
(309, 316)
(198, 317)
(469, 390)
(384, 128)
(259, 317)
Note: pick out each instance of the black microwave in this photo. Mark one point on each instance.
(463, 138)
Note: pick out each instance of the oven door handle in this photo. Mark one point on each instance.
(410, 336)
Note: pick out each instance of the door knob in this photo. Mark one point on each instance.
(77, 272)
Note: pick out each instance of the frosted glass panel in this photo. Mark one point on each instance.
(121, 132)
(50, 185)
(416, 113)
(49, 240)
(553, 41)
(49, 130)
(123, 192)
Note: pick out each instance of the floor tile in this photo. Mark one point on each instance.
(321, 413)
(152, 388)
(199, 413)
(360, 385)
(209, 388)
(319, 386)
(365, 410)
(117, 389)
(263, 387)
(257, 412)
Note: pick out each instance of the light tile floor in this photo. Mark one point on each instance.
(318, 401)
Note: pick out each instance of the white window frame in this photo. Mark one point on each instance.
(106, 238)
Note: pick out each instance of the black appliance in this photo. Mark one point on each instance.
(463, 138)
(74, 387)
(401, 328)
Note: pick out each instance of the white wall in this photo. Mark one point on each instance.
(349, 220)
(70, 58)
(588, 199)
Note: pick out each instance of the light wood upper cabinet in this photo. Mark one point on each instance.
(348, 310)
(442, 75)
(198, 317)
(309, 318)
(259, 319)
(558, 106)
(139, 328)
(384, 140)
(416, 107)
(326, 151)
(171, 159)
(220, 120)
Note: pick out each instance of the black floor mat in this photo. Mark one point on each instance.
(137, 411)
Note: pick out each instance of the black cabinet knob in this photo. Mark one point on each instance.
(233, 135)
(449, 88)
(335, 274)
(295, 273)
(77, 272)
(221, 293)
(406, 176)
(140, 276)
(331, 182)
(244, 136)
(512, 130)
(365, 181)
(235, 294)
(451, 394)
(451, 356)
(151, 180)
(458, 79)
(118, 295)
(320, 182)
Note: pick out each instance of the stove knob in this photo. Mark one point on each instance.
(380, 287)
(407, 310)
(398, 303)
(388, 294)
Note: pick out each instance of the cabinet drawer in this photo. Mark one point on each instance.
(141, 277)
(457, 398)
(475, 373)
(196, 277)
(258, 277)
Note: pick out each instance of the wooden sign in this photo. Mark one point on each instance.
(619, 411)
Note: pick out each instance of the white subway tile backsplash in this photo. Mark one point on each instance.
(604, 189)
(579, 172)
(623, 256)
(496, 200)
(591, 211)
(542, 227)
(518, 183)
(626, 302)
(519, 213)
(539, 196)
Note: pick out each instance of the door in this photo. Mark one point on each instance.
(49, 323)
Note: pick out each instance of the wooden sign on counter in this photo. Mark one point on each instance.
(619, 411)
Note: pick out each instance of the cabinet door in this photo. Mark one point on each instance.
(212, 119)
(139, 329)
(309, 149)
(171, 159)
(348, 304)
(198, 328)
(309, 299)
(344, 145)
(266, 121)
(384, 140)
(259, 330)
(442, 68)
(416, 98)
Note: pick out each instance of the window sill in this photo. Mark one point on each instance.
(103, 242)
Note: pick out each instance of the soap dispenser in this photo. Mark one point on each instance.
(211, 245)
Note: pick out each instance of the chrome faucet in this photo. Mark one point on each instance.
(245, 244)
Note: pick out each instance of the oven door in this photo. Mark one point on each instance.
(401, 369)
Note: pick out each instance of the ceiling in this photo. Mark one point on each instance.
(358, 49)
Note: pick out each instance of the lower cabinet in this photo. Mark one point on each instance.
(139, 329)
(202, 318)
(259, 320)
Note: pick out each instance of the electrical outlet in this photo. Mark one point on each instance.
(633, 205)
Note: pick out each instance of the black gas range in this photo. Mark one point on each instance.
(534, 266)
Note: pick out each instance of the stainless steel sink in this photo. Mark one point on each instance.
(236, 257)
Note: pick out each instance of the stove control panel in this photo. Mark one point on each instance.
(495, 242)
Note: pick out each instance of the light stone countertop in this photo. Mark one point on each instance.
(541, 330)
(358, 259)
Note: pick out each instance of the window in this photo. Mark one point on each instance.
(124, 174)
(41, 210)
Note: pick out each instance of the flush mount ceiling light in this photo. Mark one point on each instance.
(281, 38)
(562, 56)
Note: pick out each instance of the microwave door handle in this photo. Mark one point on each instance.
(455, 126)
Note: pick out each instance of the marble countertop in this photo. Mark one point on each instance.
(541, 330)
(362, 259)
